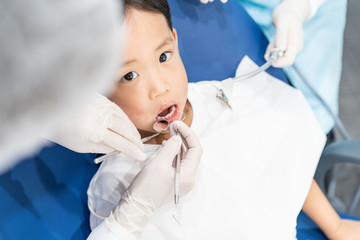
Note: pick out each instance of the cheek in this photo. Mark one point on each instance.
(132, 103)
(182, 90)
(182, 83)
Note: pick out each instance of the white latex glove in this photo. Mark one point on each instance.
(101, 127)
(288, 18)
(206, 1)
(154, 185)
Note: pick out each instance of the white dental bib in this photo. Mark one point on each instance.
(256, 170)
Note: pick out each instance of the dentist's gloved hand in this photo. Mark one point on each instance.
(101, 127)
(206, 1)
(154, 185)
(288, 18)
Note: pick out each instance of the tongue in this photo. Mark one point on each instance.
(164, 113)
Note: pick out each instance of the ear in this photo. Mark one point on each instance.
(175, 35)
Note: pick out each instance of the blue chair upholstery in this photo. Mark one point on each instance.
(213, 38)
(44, 197)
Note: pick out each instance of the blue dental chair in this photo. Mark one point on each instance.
(44, 196)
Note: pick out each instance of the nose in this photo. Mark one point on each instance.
(159, 84)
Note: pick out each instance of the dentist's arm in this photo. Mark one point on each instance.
(318, 208)
(152, 188)
(288, 18)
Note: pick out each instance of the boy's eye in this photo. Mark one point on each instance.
(129, 76)
(165, 56)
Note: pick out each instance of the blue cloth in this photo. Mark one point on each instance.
(308, 230)
(321, 58)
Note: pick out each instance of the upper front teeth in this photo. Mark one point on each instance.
(172, 111)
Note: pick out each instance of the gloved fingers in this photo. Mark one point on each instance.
(296, 37)
(122, 125)
(191, 141)
(169, 150)
(294, 45)
(281, 36)
(123, 145)
(154, 183)
(289, 37)
(191, 160)
(286, 60)
(267, 52)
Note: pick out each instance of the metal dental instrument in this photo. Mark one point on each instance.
(274, 55)
(183, 148)
(222, 97)
(177, 183)
(158, 127)
(177, 177)
(177, 167)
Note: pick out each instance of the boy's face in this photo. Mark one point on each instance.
(153, 81)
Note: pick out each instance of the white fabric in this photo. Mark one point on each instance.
(257, 165)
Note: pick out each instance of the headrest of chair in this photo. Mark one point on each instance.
(214, 37)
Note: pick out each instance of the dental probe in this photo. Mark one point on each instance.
(183, 149)
(143, 140)
(177, 176)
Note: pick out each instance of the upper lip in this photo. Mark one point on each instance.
(165, 106)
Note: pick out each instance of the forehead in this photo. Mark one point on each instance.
(146, 25)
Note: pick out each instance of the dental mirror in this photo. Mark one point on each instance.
(159, 127)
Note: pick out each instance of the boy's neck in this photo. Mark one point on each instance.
(165, 136)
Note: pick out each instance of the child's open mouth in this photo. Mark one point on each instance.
(169, 114)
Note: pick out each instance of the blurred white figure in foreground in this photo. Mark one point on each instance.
(54, 56)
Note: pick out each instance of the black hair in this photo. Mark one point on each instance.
(153, 6)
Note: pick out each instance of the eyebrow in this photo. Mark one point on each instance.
(166, 41)
(127, 62)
